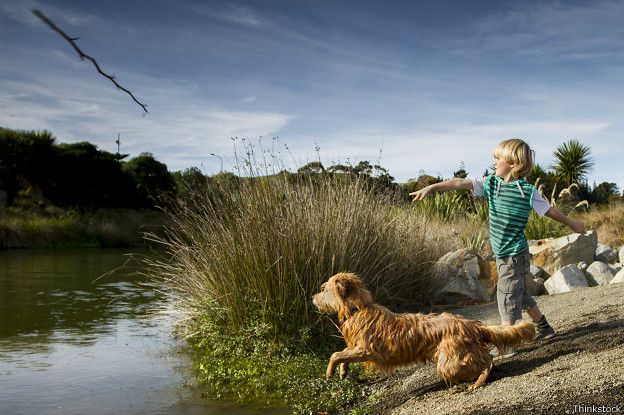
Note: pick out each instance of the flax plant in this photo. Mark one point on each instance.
(251, 255)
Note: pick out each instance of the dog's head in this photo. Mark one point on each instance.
(341, 294)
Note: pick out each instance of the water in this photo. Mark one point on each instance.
(72, 345)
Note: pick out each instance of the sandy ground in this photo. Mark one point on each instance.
(581, 367)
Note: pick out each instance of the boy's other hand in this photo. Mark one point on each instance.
(578, 226)
(421, 194)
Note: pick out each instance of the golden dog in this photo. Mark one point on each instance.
(384, 340)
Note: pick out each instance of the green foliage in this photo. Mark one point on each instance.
(239, 367)
(445, 206)
(54, 227)
(152, 180)
(245, 258)
(541, 227)
(572, 162)
(79, 174)
(605, 193)
(23, 155)
(313, 167)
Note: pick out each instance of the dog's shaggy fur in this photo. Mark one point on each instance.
(384, 340)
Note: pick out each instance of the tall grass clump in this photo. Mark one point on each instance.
(445, 206)
(244, 258)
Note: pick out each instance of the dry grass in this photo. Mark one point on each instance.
(253, 253)
(608, 222)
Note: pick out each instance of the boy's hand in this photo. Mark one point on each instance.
(422, 193)
(577, 226)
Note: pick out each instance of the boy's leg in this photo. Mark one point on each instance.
(509, 293)
(544, 331)
(510, 288)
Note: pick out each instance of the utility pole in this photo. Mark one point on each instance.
(118, 146)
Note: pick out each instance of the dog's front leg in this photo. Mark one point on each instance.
(344, 370)
(344, 358)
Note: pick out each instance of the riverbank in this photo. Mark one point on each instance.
(56, 228)
(581, 366)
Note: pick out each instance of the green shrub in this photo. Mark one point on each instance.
(244, 260)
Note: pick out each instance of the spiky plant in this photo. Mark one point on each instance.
(572, 162)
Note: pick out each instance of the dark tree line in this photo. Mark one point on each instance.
(79, 175)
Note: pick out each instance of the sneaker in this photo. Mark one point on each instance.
(543, 330)
(496, 353)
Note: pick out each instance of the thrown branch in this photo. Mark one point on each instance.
(83, 55)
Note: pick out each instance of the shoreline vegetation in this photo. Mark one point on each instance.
(240, 255)
(57, 228)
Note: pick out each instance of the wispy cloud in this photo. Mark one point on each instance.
(233, 13)
(549, 30)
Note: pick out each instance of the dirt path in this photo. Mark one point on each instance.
(583, 365)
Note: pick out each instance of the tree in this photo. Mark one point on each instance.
(461, 173)
(605, 192)
(152, 179)
(572, 162)
(313, 167)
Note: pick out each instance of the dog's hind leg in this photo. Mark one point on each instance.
(343, 359)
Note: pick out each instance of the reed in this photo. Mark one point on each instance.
(251, 253)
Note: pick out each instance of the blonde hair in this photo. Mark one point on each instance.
(517, 152)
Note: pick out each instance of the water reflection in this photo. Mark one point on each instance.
(42, 292)
(72, 345)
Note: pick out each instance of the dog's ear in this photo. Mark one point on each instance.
(353, 294)
(344, 287)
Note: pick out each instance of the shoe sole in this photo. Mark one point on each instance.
(547, 337)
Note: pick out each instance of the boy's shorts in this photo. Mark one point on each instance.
(512, 294)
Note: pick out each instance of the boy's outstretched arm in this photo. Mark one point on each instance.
(455, 183)
(575, 225)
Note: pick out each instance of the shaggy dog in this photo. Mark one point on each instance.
(384, 340)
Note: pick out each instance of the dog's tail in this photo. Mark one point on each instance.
(506, 336)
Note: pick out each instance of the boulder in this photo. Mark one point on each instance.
(535, 285)
(555, 253)
(599, 273)
(619, 278)
(534, 281)
(604, 253)
(536, 271)
(464, 274)
(566, 279)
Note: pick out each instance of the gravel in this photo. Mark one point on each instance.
(582, 366)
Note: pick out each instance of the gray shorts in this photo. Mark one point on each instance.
(512, 293)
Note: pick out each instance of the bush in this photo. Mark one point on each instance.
(244, 259)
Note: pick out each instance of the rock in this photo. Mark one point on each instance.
(553, 254)
(615, 267)
(599, 273)
(535, 285)
(536, 271)
(621, 255)
(462, 272)
(582, 265)
(619, 278)
(604, 253)
(566, 279)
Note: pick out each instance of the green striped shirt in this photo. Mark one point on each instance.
(509, 206)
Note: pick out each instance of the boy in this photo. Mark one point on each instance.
(510, 199)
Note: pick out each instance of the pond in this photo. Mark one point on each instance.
(73, 343)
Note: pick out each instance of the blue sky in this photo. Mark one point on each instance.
(422, 84)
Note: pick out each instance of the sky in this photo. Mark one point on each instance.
(417, 86)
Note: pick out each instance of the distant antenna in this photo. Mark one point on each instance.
(118, 144)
